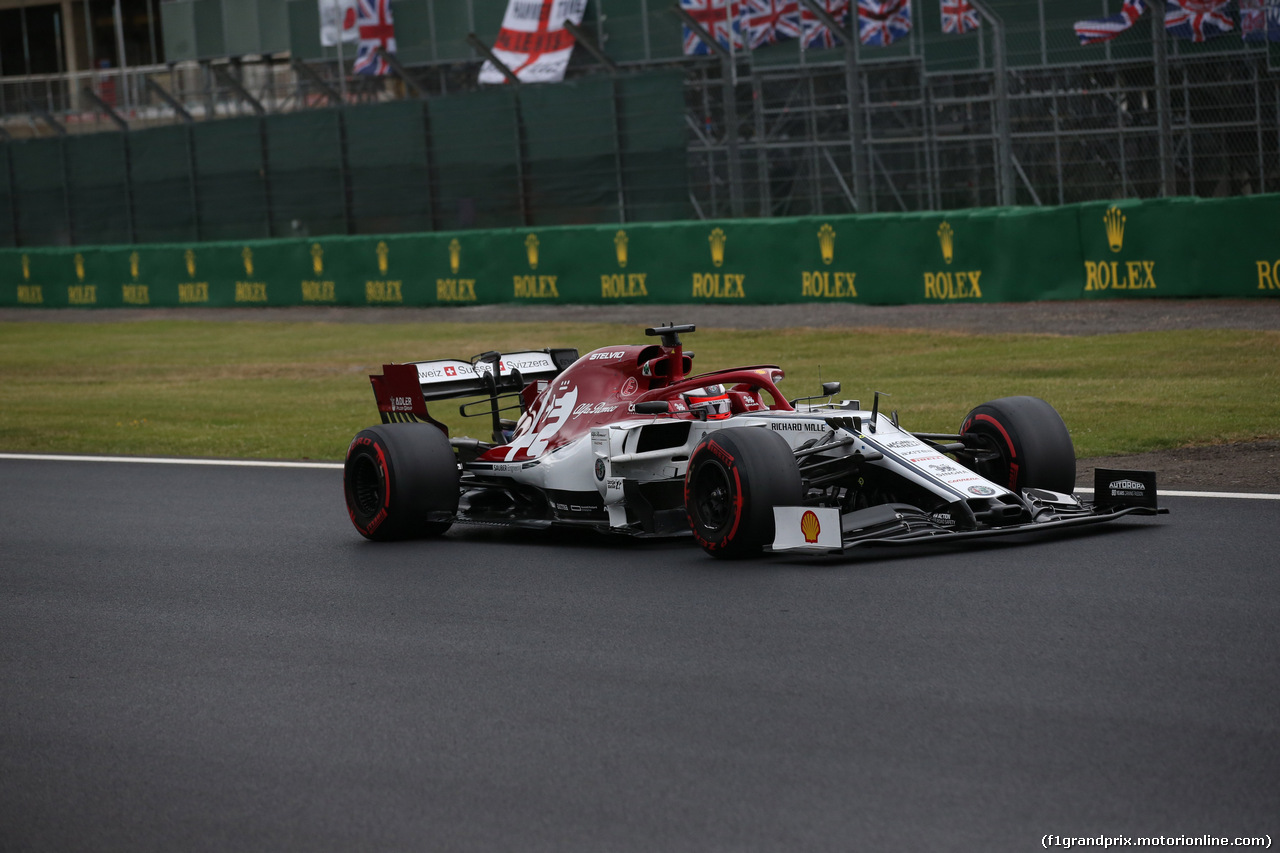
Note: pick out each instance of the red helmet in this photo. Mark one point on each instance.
(710, 403)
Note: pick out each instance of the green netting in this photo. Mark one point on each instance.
(653, 144)
(450, 23)
(475, 144)
(570, 145)
(230, 183)
(8, 235)
(304, 157)
(98, 186)
(387, 160)
(163, 197)
(39, 187)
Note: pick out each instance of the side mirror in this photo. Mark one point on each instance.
(653, 407)
(830, 388)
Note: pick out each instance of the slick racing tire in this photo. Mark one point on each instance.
(734, 480)
(1034, 447)
(401, 481)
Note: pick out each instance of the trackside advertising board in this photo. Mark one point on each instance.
(1120, 250)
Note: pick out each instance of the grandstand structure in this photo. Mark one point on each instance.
(230, 121)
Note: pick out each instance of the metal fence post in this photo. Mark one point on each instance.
(728, 72)
(1003, 132)
(344, 172)
(853, 90)
(762, 153)
(13, 191)
(1161, 53)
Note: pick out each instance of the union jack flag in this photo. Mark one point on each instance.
(1260, 20)
(720, 18)
(770, 21)
(1198, 20)
(1097, 30)
(815, 33)
(373, 20)
(881, 22)
(958, 16)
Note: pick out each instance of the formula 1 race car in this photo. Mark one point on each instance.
(624, 440)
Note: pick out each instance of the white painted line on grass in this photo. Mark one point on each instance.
(257, 463)
(161, 460)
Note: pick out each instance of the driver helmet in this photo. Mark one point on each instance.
(711, 402)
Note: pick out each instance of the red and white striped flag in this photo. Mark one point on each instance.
(533, 42)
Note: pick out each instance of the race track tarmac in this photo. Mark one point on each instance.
(211, 659)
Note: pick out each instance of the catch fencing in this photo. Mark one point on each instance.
(1129, 249)
(1016, 112)
(476, 160)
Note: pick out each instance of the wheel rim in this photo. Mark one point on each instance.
(714, 499)
(995, 470)
(367, 485)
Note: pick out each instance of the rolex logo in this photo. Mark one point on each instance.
(945, 235)
(317, 258)
(455, 256)
(1114, 220)
(247, 255)
(531, 249)
(133, 265)
(717, 240)
(382, 251)
(190, 257)
(26, 268)
(827, 243)
(79, 259)
(620, 246)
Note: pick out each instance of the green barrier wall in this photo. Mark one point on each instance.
(1172, 248)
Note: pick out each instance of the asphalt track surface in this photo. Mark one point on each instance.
(210, 658)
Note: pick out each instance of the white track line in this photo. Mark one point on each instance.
(255, 463)
(161, 460)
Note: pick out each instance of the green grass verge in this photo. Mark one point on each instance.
(298, 390)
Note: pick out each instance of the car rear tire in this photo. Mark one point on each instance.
(401, 481)
(734, 480)
(1032, 442)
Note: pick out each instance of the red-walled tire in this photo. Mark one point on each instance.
(1034, 447)
(401, 482)
(735, 478)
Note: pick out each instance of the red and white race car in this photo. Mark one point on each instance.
(624, 440)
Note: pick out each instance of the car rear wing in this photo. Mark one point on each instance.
(402, 391)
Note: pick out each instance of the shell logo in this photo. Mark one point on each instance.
(809, 526)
